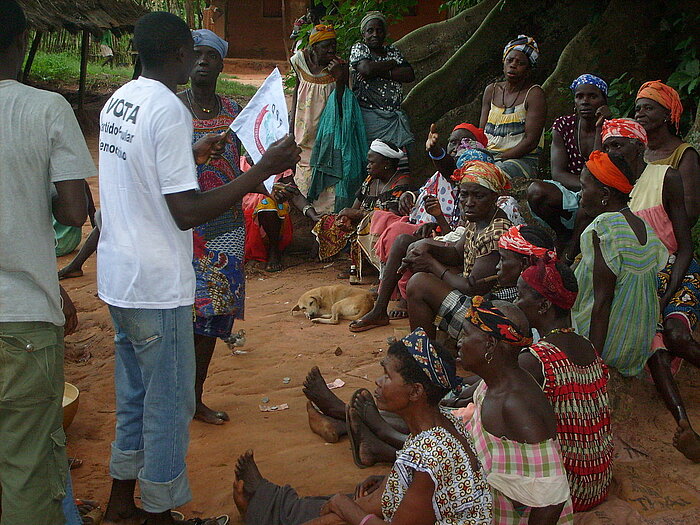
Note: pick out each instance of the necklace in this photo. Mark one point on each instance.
(503, 97)
(623, 209)
(190, 100)
(388, 182)
(559, 331)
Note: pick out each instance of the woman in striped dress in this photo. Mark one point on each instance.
(572, 376)
(621, 256)
(513, 112)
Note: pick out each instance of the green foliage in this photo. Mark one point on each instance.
(345, 15)
(621, 95)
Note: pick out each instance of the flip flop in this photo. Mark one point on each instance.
(398, 313)
(354, 446)
(359, 325)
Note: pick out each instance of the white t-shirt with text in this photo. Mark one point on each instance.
(143, 259)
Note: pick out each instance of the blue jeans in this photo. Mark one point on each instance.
(154, 374)
(70, 510)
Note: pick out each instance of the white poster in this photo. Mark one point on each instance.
(264, 120)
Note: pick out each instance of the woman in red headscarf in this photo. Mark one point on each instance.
(572, 376)
(658, 108)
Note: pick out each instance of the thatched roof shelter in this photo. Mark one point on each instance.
(95, 16)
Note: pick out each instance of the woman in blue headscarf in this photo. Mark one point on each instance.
(556, 201)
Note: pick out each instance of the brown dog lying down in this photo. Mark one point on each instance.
(329, 304)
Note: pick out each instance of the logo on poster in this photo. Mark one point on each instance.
(267, 123)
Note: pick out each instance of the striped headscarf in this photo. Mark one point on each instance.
(591, 80)
(320, 33)
(484, 174)
(492, 321)
(624, 127)
(527, 45)
(664, 95)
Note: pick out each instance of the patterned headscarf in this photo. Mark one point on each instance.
(527, 45)
(484, 174)
(513, 240)
(478, 133)
(603, 169)
(492, 321)
(320, 33)
(591, 80)
(624, 127)
(664, 95)
(544, 277)
(439, 372)
(473, 154)
(205, 37)
(372, 15)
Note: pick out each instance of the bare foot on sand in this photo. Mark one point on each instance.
(248, 478)
(687, 441)
(363, 402)
(69, 272)
(207, 415)
(330, 429)
(373, 319)
(316, 391)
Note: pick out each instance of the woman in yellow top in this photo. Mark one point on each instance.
(513, 112)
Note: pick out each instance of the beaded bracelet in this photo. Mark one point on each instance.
(440, 157)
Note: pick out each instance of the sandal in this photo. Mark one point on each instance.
(359, 325)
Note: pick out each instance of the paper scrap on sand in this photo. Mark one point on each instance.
(335, 384)
(273, 408)
(263, 120)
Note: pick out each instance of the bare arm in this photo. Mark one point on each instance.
(536, 112)
(486, 105)
(673, 194)
(603, 295)
(545, 515)
(559, 160)
(70, 204)
(192, 208)
(689, 168)
(375, 68)
(472, 284)
(531, 365)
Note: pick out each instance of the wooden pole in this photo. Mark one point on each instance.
(85, 47)
(32, 53)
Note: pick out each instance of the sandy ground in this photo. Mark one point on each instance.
(657, 484)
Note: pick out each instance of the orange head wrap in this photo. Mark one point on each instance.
(484, 174)
(664, 95)
(603, 169)
(478, 133)
(321, 32)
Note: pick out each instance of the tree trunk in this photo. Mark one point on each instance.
(429, 47)
(30, 57)
(84, 50)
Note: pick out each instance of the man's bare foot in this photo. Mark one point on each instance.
(316, 391)
(207, 415)
(328, 428)
(248, 478)
(367, 449)
(374, 318)
(69, 273)
(135, 517)
(687, 441)
(274, 262)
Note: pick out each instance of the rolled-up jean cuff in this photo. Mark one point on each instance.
(125, 464)
(158, 497)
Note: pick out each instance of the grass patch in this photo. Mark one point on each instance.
(63, 69)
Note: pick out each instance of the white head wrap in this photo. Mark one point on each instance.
(372, 15)
(381, 147)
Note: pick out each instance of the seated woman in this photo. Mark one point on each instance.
(436, 477)
(434, 290)
(436, 206)
(572, 376)
(556, 201)
(513, 425)
(621, 255)
(658, 108)
(381, 190)
(377, 72)
(657, 190)
(513, 112)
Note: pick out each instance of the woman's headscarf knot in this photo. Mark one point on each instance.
(492, 321)
(514, 241)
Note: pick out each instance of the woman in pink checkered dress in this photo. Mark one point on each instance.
(513, 425)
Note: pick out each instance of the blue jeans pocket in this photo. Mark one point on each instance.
(139, 325)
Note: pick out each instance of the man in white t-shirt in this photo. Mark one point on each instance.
(149, 200)
(43, 161)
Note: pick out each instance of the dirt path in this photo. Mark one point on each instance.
(652, 477)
